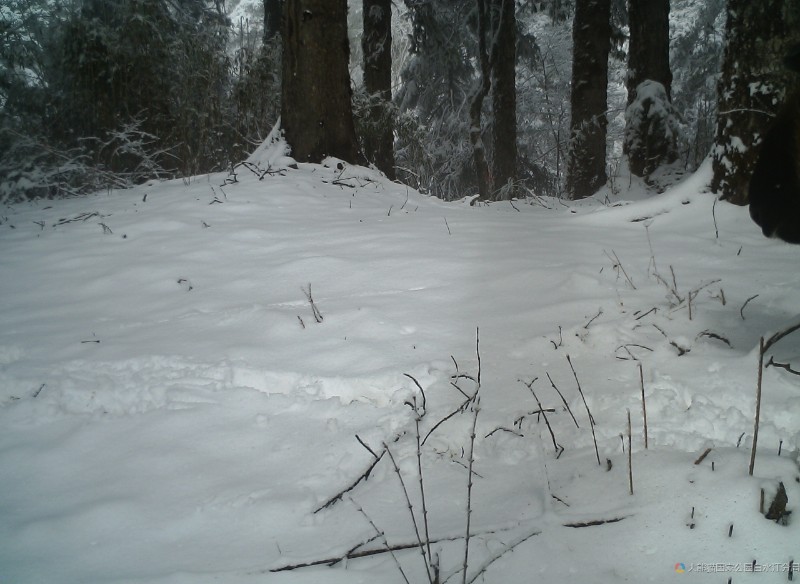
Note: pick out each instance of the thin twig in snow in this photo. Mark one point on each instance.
(712, 335)
(460, 409)
(741, 310)
(464, 393)
(761, 350)
(364, 444)
(702, 457)
(641, 316)
(317, 314)
(588, 411)
(410, 511)
(566, 405)
(503, 551)
(363, 477)
(681, 350)
(714, 216)
(780, 335)
(618, 266)
(504, 429)
(644, 404)
(786, 366)
(630, 455)
(471, 460)
(382, 535)
(595, 522)
(556, 447)
(591, 320)
(478, 352)
(422, 391)
(417, 418)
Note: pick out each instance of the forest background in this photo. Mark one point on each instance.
(99, 94)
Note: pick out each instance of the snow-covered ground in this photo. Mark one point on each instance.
(171, 411)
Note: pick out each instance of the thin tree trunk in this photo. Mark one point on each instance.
(482, 173)
(377, 47)
(504, 96)
(272, 19)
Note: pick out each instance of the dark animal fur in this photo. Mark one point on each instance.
(775, 185)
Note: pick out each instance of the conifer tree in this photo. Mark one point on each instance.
(591, 35)
(316, 110)
(504, 96)
(651, 128)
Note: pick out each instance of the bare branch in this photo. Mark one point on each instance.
(556, 447)
(363, 477)
(741, 310)
(566, 405)
(588, 411)
(422, 391)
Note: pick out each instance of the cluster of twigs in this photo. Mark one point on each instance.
(415, 496)
(423, 541)
(261, 173)
(542, 411)
(80, 217)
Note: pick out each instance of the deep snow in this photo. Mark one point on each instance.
(170, 411)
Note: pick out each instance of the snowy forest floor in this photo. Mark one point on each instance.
(172, 412)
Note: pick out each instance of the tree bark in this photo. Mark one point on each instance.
(272, 19)
(591, 36)
(648, 53)
(376, 43)
(482, 173)
(752, 87)
(316, 110)
(650, 140)
(504, 95)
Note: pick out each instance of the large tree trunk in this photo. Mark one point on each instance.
(648, 54)
(504, 96)
(316, 110)
(591, 36)
(376, 43)
(751, 88)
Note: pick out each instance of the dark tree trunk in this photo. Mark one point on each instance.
(504, 96)
(376, 43)
(751, 88)
(650, 129)
(272, 19)
(316, 110)
(648, 54)
(482, 173)
(591, 36)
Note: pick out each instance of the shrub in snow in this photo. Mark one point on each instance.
(652, 130)
(33, 167)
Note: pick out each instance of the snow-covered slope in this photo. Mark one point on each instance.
(172, 411)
